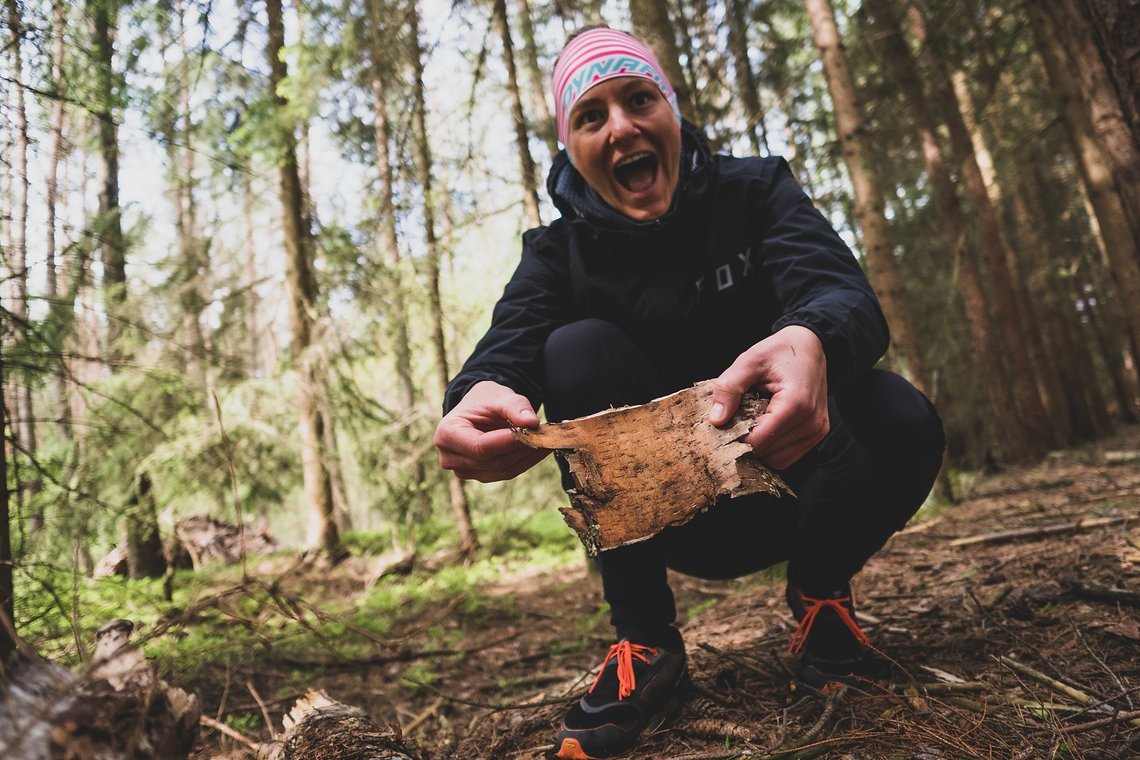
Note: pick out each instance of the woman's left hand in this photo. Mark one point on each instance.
(792, 367)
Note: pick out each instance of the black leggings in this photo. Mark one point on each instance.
(854, 489)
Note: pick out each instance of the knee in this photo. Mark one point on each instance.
(887, 412)
(900, 430)
(591, 365)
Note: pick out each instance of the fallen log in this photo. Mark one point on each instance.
(320, 727)
(117, 707)
(639, 469)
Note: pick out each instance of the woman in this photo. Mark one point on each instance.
(671, 265)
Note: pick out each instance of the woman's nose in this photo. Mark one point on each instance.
(622, 126)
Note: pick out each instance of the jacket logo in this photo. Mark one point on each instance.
(726, 275)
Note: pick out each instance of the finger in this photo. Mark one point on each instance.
(728, 389)
(495, 474)
(787, 453)
(784, 423)
(516, 409)
(451, 460)
(469, 443)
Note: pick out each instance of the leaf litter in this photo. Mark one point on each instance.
(1008, 646)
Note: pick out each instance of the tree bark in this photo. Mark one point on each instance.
(1116, 29)
(302, 285)
(144, 542)
(7, 589)
(640, 469)
(1119, 243)
(544, 122)
(652, 26)
(870, 206)
(60, 399)
(735, 11)
(194, 264)
(1039, 435)
(17, 254)
(1048, 385)
(522, 139)
(250, 300)
(397, 310)
(902, 69)
(1102, 100)
(108, 226)
(468, 540)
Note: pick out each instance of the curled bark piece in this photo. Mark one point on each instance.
(319, 726)
(639, 469)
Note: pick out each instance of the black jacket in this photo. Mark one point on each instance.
(741, 254)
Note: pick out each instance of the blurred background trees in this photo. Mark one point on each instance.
(309, 209)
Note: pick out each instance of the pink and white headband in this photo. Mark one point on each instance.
(595, 56)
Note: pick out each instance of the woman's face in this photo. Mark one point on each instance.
(626, 142)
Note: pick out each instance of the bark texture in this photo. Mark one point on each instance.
(870, 206)
(302, 285)
(1039, 436)
(1101, 96)
(390, 248)
(522, 138)
(109, 225)
(320, 727)
(902, 68)
(117, 707)
(639, 469)
(1120, 244)
(652, 26)
(468, 539)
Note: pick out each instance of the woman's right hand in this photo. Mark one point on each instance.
(475, 440)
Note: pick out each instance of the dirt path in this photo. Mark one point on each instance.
(958, 621)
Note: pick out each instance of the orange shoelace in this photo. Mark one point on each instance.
(813, 610)
(624, 652)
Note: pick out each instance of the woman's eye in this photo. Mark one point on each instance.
(639, 98)
(587, 117)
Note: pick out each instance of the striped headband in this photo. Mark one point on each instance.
(595, 56)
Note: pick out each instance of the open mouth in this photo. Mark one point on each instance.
(637, 173)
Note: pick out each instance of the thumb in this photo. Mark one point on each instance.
(725, 400)
(519, 412)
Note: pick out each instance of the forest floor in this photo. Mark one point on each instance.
(1022, 646)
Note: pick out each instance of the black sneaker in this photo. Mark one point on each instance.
(636, 685)
(832, 647)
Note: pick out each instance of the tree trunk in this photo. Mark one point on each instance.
(7, 606)
(250, 300)
(522, 139)
(1048, 385)
(1115, 26)
(397, 310)
(652, 26)
(1101, 98)
(870, 205)
(17, 253)
(902, 69)
(108, 226)
(544, 122)
(51, 264)
(322, 531)
(194, 264)
(144, 542)
(746, 87)
(1039, 434)
(1119, 241)
(468, 540)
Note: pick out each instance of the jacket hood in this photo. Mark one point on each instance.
(578, 202)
